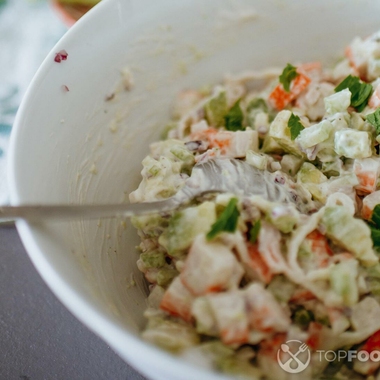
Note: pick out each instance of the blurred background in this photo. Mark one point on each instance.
(28, 31)
(39, 338)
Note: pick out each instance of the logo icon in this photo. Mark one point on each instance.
(294, 364)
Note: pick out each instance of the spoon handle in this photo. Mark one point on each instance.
(64, 212)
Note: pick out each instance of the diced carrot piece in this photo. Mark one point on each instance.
(177, 300)
(279, 98)
(257, 264)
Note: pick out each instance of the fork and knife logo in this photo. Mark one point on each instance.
(299, 366)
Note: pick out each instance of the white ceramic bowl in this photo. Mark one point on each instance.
(70, 147)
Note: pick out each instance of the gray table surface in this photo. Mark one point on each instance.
(39, 338)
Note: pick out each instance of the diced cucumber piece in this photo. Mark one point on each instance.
(185, 225)
(166, 275)
(291, 164)
(283, 217)
(350, 233)
(315, 134)
(281, 288)
(312, 178)
(270, 145)
(338, 102)
(280, 132)
(170, 335)
(353, 144)
(257, 160)
(153, 259)
(332, 168)
(151, 225)
(343, 281)
(204, 316)
(216, 109)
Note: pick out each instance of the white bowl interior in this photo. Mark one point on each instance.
(70, 147)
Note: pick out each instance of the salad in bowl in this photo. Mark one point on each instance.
(232, 278)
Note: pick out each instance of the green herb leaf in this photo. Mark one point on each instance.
(360, 91)
(288, 74)
(254, 232)
(257, 104)
(303, 317)
(374, 119)
(227, 220)
(375, 218)
(375, 235)
(234, 118)
(295, 126)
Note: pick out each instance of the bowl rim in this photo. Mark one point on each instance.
(127, 345)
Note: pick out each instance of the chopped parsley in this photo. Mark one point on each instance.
(376, 216)
(257, 104)
(288, 74)
(374, 119)
(227, 220)
(254, 232)
(295, 126)
(302, 317)
(360, 91)
(234, 118)
(375, 226)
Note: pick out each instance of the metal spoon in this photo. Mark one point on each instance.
(217, 175)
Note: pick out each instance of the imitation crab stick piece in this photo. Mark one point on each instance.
(257, 265)
(230, 144)
(210, 267)
(357, 65)
(310, 67)
(320, 248)
(302, 295)
(264, 312)
(230, 314)
(368, 367)
(374, 100)
(280, 98)
(339, 322)
(177, 300)
(186, 101)
(313, 70)
(269, 347)
(270, 248)
(367, 171)
(314, 332)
